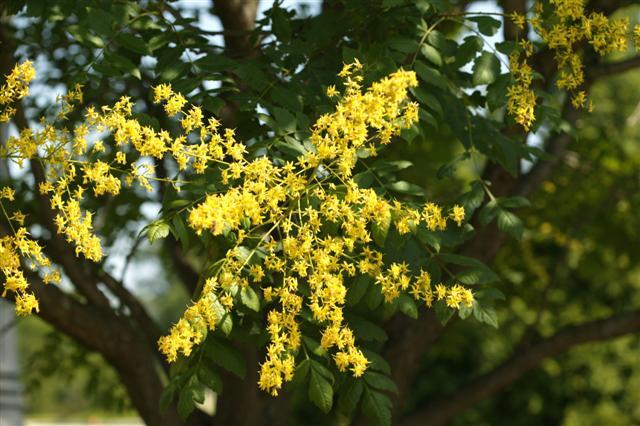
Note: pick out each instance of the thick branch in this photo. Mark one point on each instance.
(146, 324)
(511, 31)
(405, 352)
(186, 273)
(238, 19)
(109, 335)
(441, 411)
(612, 68)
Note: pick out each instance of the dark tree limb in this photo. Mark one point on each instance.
(405, 350)
(186, 273)
(511, 31)
(612, 68)
(138, 312)
(441, 411)
(121, 346)
(238, 19)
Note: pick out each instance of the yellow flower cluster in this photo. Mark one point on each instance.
(571, 27)
(302, 229)
(192, 327)
(453, 296)
(70, 158)
(521, 100)
(15, 88)
(17, 250)
(280, 214)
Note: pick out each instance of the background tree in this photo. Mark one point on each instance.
(268, 80)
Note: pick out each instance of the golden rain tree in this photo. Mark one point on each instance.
(274, 152)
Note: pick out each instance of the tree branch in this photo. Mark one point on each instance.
(606, 69)
(407, 345)
(238, 19)
(109, 335)
(441, 411)
(138, 312)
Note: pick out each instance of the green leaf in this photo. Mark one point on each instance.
(458, 259)
(472, 199)
(477, 276)
(349, 396)
(156, 42)
(379, 231)
(377, 407)
(210, 378)
(157, 230)
(320, 391)
(464, 311)
(185, 402)
(100, 21)
(428, 118)
(408, 306)
(378, 363)
(404, 187)
(403, 44)
(468, 50)
(226, 356)
(252, 75)
(122, 63)
(478, 273)
(443, 313)
(386, 166)
(168, 394)
(513, 202)
(250, 299)
(281, 24)
(486, 24)
(314, 346)
(432, 54)
(215, 63)
(430, 75)
(133, 43)
(374, 297)
(225, 323)
(392, 3)
(428, 100)
(489, 294)
(285, 121)
(380, 382)
(323, 371)
(510, 223)
(428, 237)
(497, 92)
(485, 314)
(489, 212)
(486, 69)
(180, 232)
(366, 330)
(506, 47)
(287, 98)
(301, 373)
(358, 288)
